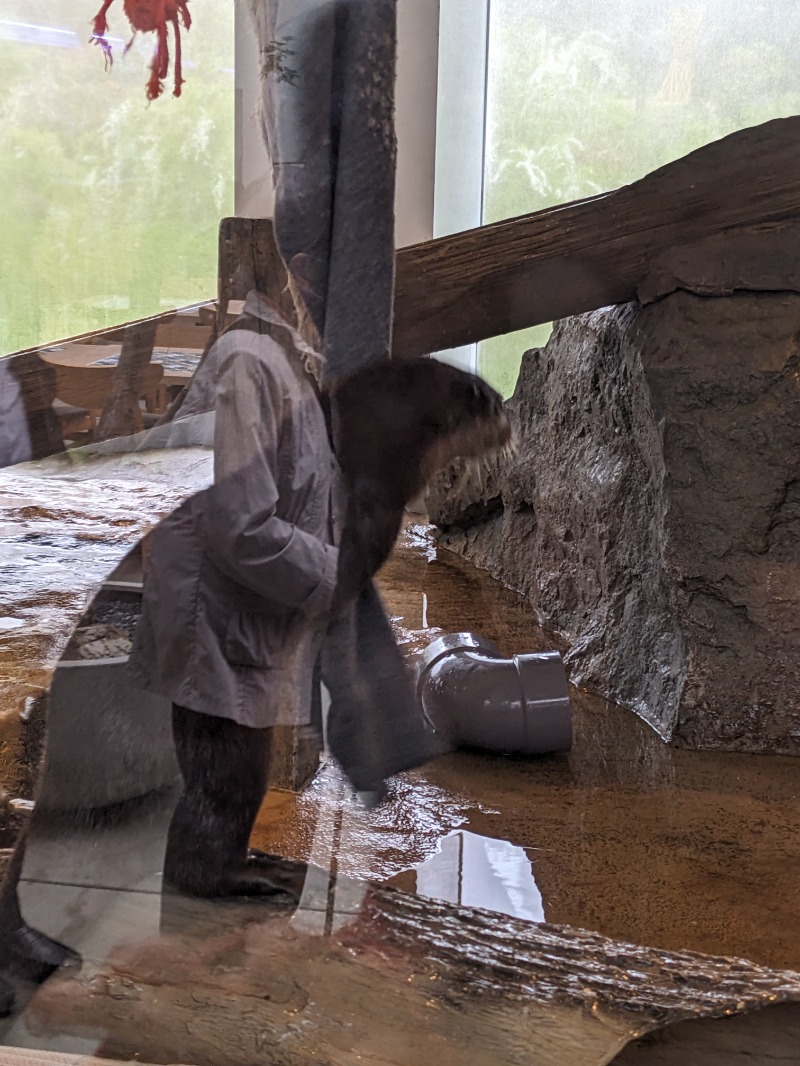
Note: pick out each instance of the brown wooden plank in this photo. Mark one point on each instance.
(577, 257)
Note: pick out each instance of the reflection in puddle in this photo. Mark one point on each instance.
(478, 871)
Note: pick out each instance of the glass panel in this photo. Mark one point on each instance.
(586, 96)
(110, 208)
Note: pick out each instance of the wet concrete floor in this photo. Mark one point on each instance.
(626, 836)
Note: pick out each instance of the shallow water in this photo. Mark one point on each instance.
(625, 835)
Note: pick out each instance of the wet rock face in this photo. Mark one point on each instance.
(652, 515)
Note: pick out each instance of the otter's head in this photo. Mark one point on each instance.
(470, 419)
(402, 420)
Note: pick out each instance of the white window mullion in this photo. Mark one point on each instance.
(461, 130)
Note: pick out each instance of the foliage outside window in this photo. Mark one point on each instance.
(110, 207)
(588, 95)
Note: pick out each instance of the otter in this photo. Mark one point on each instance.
(395, 424)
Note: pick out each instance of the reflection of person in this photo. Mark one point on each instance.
(29, 427)
(24, 951)
(238, 585)
(15, 439)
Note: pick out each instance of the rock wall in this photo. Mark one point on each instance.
(652, 513)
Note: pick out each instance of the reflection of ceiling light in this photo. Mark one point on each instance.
(29, 33)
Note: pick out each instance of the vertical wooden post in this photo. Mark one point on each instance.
(249, 259)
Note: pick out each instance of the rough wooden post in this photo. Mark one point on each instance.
(249, 259)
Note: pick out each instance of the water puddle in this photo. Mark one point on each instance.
(476, 871)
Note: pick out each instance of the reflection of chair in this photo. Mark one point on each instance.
(75, 422)
(90, 386)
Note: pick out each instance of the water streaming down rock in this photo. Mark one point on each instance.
(65, 524)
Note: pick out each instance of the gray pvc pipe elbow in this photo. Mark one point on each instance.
(473, 697)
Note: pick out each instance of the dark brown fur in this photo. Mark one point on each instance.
(395, 425)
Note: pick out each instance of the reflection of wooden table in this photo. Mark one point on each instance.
(187, 328)
(85, 355)
(208, 313)
(78, 354)
(85, 376)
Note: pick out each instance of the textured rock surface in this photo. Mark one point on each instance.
(652, 515)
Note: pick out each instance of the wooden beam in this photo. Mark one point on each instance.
(592, 253)
(562, 261)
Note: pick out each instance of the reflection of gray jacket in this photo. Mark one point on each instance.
(15, 441)
(241, 577)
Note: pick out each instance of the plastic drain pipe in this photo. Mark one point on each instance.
(474, 698)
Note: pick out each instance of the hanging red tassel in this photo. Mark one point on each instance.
(149, 16)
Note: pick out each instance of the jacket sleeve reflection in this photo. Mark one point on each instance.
(241, 529)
